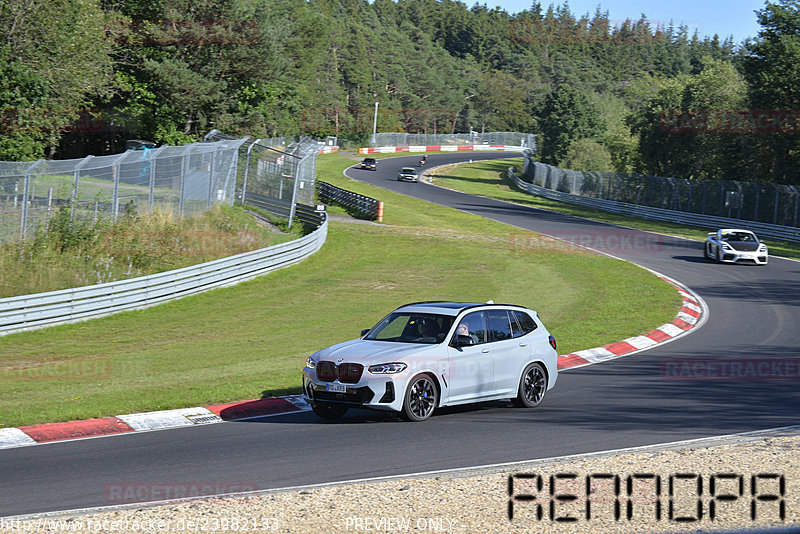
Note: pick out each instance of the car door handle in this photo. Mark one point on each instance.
(485, 351)
(523, 344)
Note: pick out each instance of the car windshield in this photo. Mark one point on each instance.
(738, 236)
(405, 327)
(408, 170)
(369, 160)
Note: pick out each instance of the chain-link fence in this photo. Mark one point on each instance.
(182, 179)
(473, 138)
(751, 201)
(276, 174)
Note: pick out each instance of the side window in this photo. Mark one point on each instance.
(499, 325)
(516, 331)
(525, 322)
(475, 327)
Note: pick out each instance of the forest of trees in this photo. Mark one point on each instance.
(80, 76)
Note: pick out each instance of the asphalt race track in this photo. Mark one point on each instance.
(627, 402)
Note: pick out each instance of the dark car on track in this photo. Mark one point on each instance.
(370, 164)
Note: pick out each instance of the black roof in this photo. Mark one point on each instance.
(454, 305)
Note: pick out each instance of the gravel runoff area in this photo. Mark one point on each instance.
(660, 489)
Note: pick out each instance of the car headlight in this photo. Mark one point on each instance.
(310, 363)
(727, 246)
(387, 368)
(762, 248)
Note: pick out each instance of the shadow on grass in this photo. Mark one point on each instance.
(488, 181)
(282, 392)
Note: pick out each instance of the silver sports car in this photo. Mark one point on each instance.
(730, 245)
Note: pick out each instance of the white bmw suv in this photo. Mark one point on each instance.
(431, 354)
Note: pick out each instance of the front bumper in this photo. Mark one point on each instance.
(376, 392)
(759, 258)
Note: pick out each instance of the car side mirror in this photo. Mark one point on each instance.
(462, 341)
(365, 331)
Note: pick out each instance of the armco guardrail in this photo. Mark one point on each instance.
(283, 208)
(786, 233)
(69, 305)
(366, 206)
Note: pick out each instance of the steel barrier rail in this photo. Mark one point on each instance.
(28, 312)
(786, 233)
(364, 205)
(282, 208)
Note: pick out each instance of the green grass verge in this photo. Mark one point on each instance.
(252, 339)
(487, 178)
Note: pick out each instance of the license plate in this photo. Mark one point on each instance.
(336, 388)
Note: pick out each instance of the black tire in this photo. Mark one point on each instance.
(326, 410)
(421, 398)
(532, 387)
(705, 252)
(719, 255)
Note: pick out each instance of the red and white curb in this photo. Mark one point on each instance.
(138, 422)
(692, 314)
(436, 148)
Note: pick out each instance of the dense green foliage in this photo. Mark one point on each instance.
(170, 71)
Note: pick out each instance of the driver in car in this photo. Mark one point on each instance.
(463, 330)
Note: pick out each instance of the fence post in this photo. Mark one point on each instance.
(115, 174)
(151, 194)
(777, 200)
(182, 194)
(211, 171)
(758, 197)
(76, 183)
(49, 207)
(703, 209)
(229, 187)
(247, 169)
(25, 186)
(741, 200)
